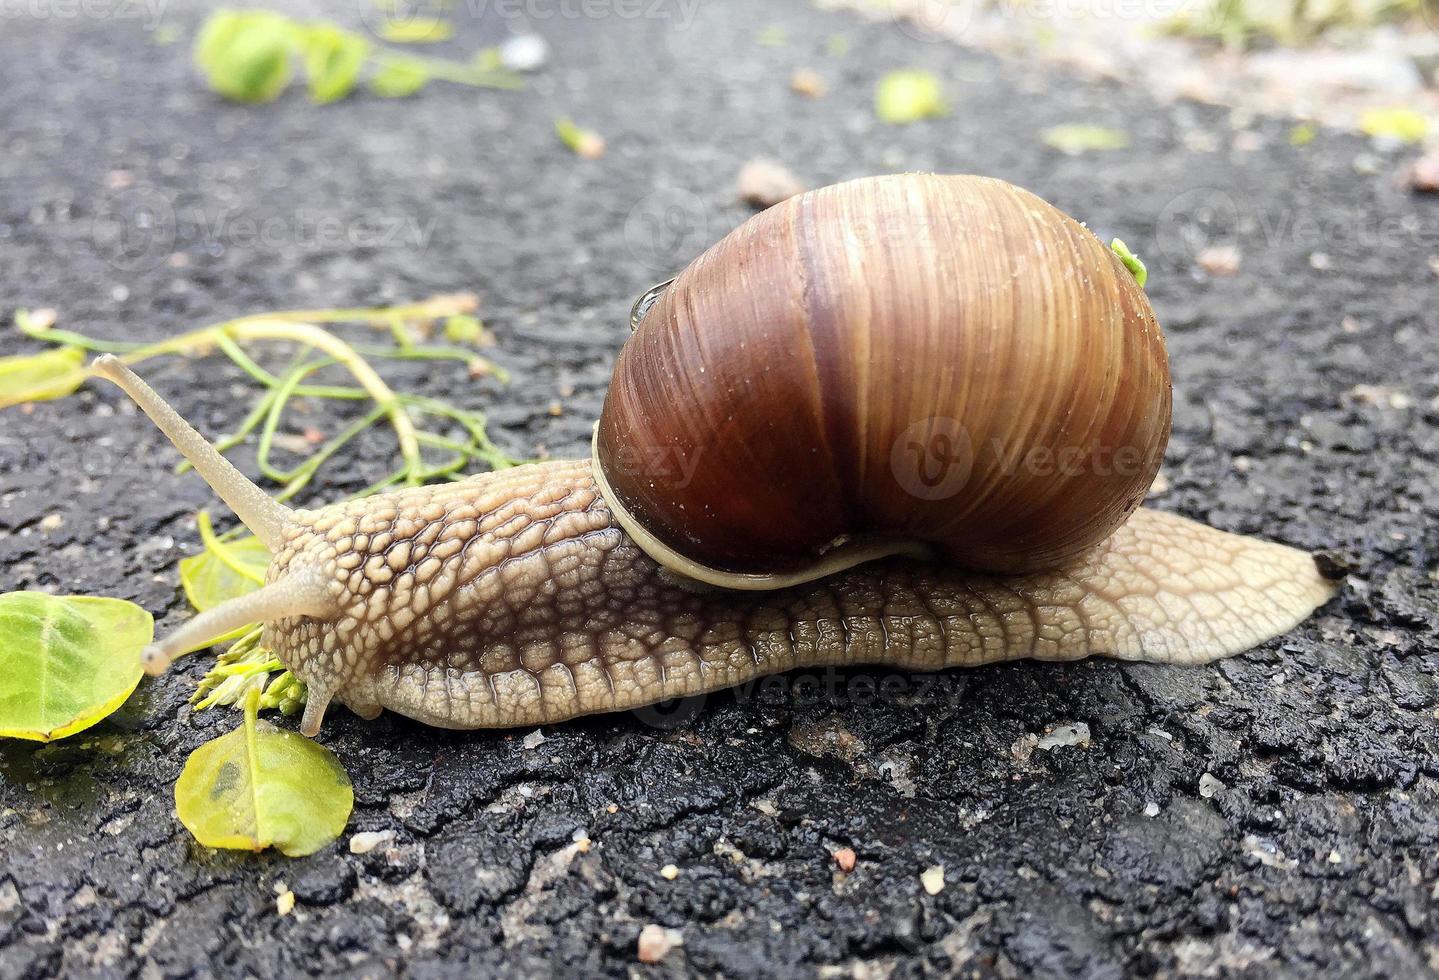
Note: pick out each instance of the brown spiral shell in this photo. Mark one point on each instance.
(913, 358)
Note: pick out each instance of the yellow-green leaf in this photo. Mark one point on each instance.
(246, 55)
(397, 79)
(1132, 262)
(583, 142)
(36, 377)
(417, 30)
(1075, 138)
(67, 661)
(908, 96)
(1404, 125)
(260, 787)
(333, 59)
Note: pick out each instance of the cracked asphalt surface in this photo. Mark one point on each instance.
(1271, 815)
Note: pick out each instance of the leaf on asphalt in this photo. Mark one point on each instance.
(38, 377)
(1076, 138)
(246, 55)
(68, 661)
(333, 59)
(396, 79)
(583, 142)
(909, 96)
(260, 787)
(1400, 124)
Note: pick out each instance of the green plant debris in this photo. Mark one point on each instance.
(39, 377)
(1400, 124)
(460, 440)
(249, 56)
(465, 329)
(583, 142)
(68, 661)
(417, 30)
(224, 570)
(333, 61)
(1243, 24)
(1303, 134)
(908, 96)
(396, 79)
(249, 666)
(1131, 261)
(1077, 138)
(259, 787)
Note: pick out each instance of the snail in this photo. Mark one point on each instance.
(906, 420)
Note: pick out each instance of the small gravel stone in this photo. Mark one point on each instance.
(932, 878)
(367, 840)
(656, 941)
(844, 858)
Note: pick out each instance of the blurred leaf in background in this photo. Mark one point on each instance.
(908, 96)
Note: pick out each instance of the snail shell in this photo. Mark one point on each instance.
(896, 364)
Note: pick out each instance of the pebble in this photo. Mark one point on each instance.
(1209, 786)
(525, 52)
(285, 902)
(932, 878)
(844, 857)
(534, 739)
(764, 183)
(1065, 735)
(656, 941)
(669, 872)
(367, 840)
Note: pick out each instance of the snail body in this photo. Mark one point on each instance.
(763, 491)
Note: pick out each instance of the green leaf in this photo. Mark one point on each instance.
(909, 96)
(333, 59)
(1076, 138)
(464, 329)
(39, 377)
(583, 142)
(417, 30)
(248, 665)
(260, 787)
(397, 79)
(68, 661)
(246, 55)
(1403, 125)
(1131, 261)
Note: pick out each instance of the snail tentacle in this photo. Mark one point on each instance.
(263, 515)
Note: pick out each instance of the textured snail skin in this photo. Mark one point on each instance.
(514, 599)
(773, 394)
